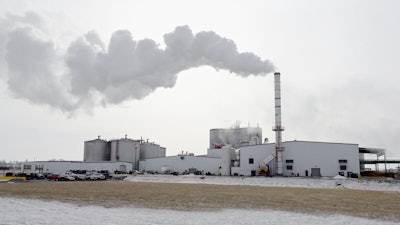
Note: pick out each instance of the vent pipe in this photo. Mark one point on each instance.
(278, 128)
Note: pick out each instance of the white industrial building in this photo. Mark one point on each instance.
(239, 151)
(123, 149)
(182, 164)
(122, 155)
(300, 158)
(60, 167)
(233, 151)
(216, 162)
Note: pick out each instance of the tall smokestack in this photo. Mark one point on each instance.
(278, 125)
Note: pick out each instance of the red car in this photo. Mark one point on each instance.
(55, 177)
(58, 177)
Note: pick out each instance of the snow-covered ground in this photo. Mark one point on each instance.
(15, 211)
(336, 182)
(24, 211)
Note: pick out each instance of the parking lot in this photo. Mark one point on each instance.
(77, 175)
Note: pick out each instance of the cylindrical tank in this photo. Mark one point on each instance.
(125, 150)
(151, 150)
(96, 150)
(236, 137)
(226, 154)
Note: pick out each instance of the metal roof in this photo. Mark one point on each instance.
(377, 151)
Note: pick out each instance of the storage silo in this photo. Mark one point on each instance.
(151, 150)
(235, 137)
(125, 150)
(227, 155)
(96, 150)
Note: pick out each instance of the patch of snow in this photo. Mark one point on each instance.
(338, 177)
(323, 182)
(15, 211)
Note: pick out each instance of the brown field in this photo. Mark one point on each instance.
(382, 205)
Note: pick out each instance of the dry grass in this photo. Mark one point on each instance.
(361, 203)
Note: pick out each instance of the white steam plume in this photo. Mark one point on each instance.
(36, 70)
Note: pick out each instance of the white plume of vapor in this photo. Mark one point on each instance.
(127, 69)
(31, 63)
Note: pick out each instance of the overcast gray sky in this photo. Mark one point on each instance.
(169, 71)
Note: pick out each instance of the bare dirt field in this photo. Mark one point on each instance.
(361, 203)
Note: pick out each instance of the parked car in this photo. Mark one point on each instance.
(46, 174)
(95, 176)
(79, 174)
(38, 176)
(67, 178)
(105, 173)
(75, 176)
(58, 177)
(55, 177)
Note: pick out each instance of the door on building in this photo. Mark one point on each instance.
(349, 174)
(253, 173)
(122, 168)
(306, 173)
(315, 172)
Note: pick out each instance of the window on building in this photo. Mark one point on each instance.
(289, 161)
(342, 160)
(27, 167)
(343, 167)
(39, 168)
(289, 167)
(251, 160)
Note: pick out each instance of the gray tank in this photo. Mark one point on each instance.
(125, 150)
(235, 137)
(97, 150)
(151, 150)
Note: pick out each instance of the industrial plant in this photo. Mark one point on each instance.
(235, 151)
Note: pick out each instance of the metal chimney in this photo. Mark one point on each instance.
(278, 125)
